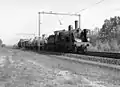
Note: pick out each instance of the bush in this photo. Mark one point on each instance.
(107, 46)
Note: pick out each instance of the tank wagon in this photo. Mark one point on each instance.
(31, 44)
(22, 43)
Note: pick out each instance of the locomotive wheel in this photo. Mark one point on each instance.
(85, 50)
(75, 49)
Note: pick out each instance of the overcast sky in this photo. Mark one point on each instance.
(21, 16)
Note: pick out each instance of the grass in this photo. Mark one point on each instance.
(107, 46)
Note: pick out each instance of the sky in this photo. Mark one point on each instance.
(21, 16)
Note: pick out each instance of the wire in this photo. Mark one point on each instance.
(99, 2)
(91, 6)
(25, 34)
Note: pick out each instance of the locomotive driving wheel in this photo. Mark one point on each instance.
(84, 49)
(75, 49)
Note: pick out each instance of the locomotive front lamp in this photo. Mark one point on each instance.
(88, 39)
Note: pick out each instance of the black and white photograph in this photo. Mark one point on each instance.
(59, 43)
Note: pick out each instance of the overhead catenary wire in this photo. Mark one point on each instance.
(90, 6)
(99, 2)
(25, 34)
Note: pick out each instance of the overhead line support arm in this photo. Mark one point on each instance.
(58, 13)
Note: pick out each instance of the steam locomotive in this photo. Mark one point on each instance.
(71, 40)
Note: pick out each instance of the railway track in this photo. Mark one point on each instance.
(104, 54)
(102, 57)
(95, 56)
(90, 53)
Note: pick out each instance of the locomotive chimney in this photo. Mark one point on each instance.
(70, 27)
(76, 24)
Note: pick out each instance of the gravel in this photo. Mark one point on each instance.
(27, 73)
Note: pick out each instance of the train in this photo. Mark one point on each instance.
(71, 40)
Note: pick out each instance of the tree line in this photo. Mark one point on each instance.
(110, 29)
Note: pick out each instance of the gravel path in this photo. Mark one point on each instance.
(28, 73)
(28, 69)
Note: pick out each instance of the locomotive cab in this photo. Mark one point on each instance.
(65, 40)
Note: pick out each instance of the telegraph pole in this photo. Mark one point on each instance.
(79, 21)
(39, 33)
(39, 25)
